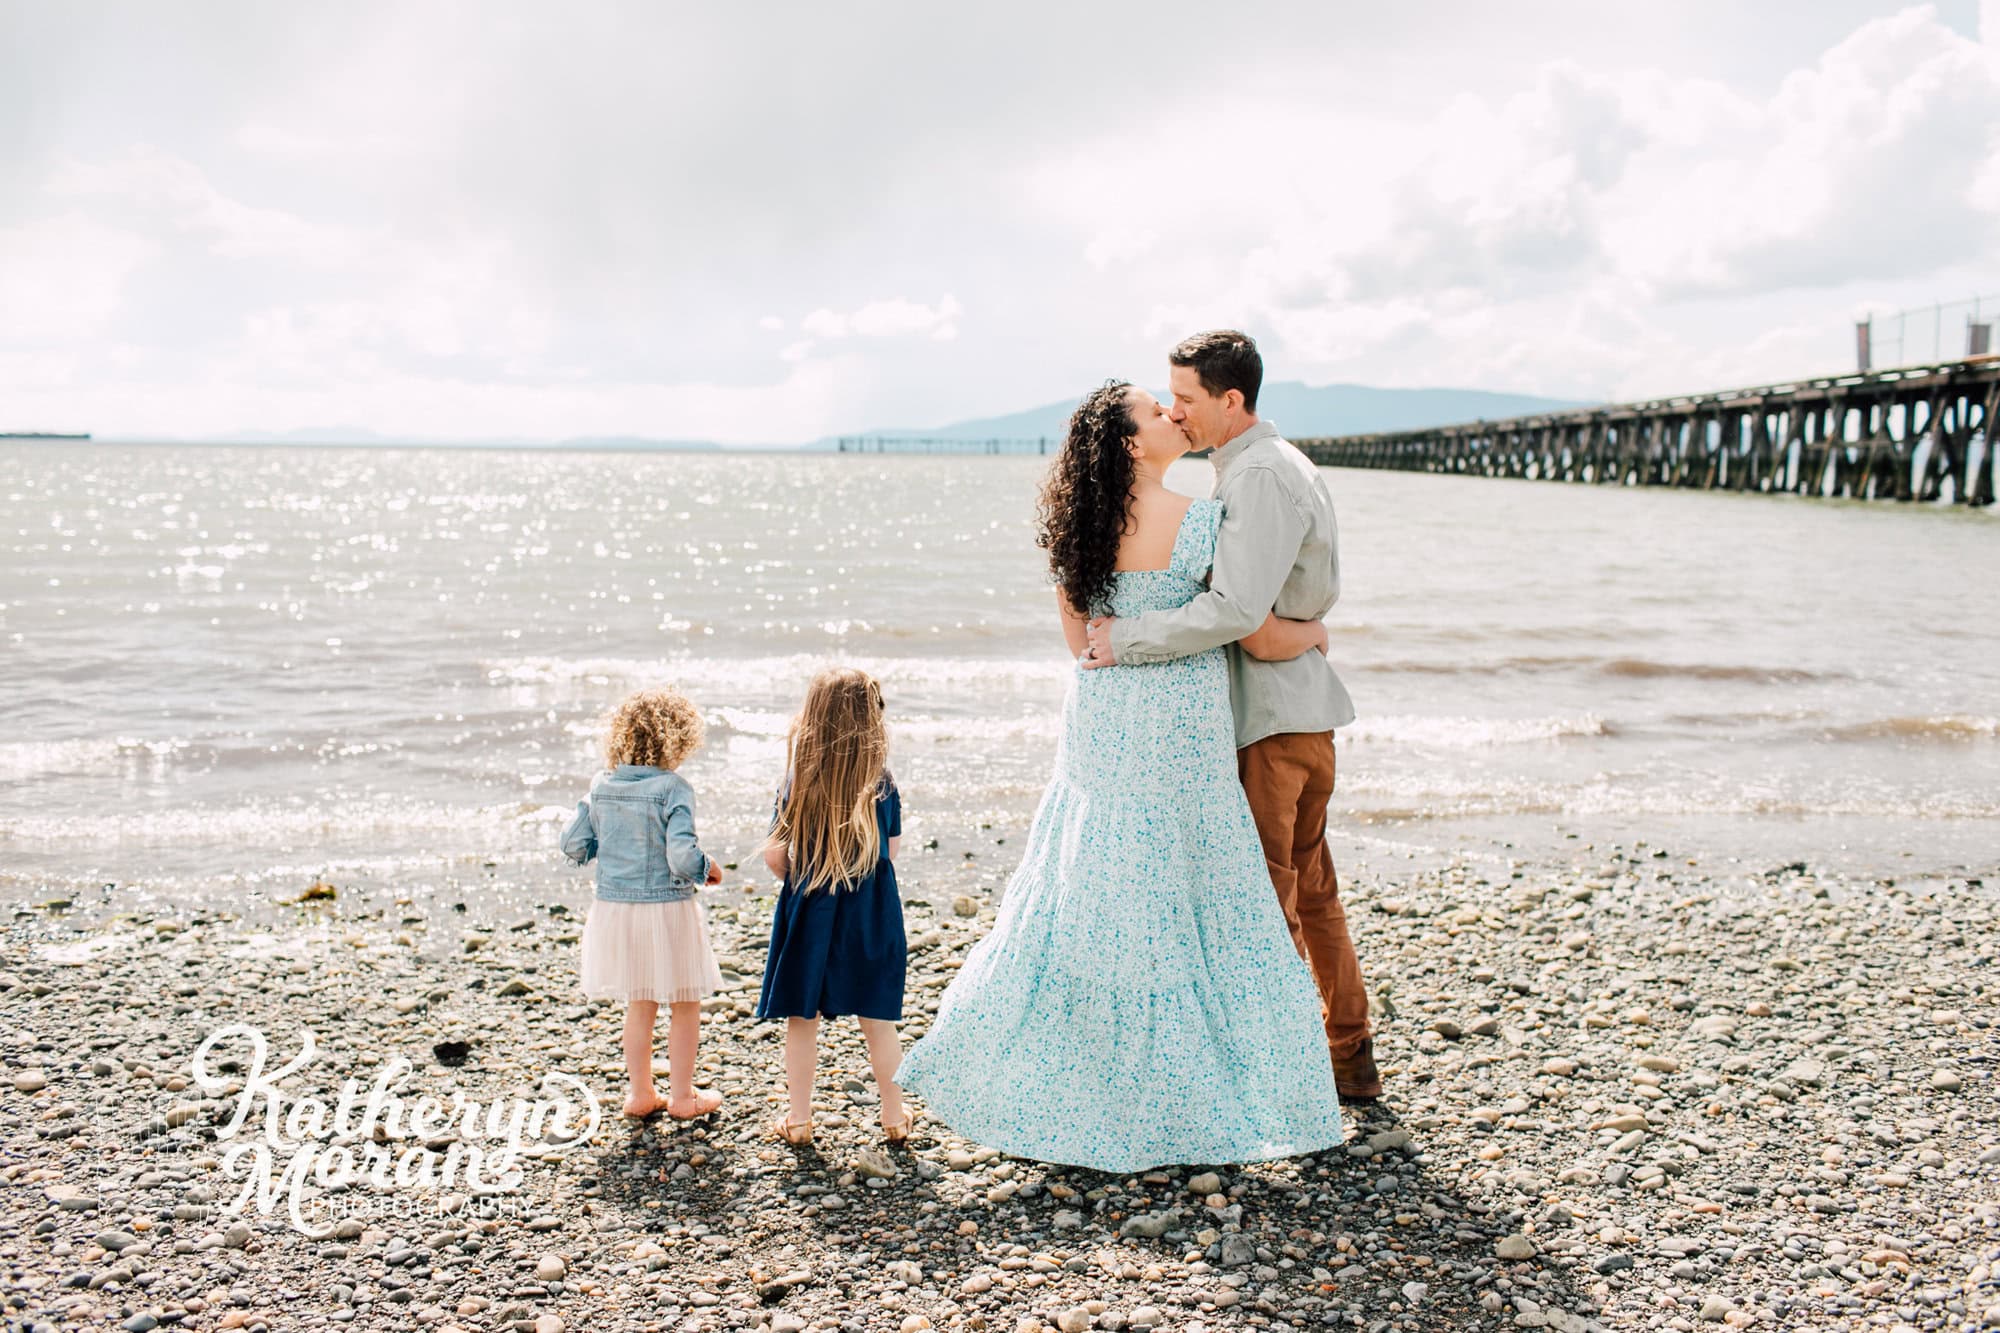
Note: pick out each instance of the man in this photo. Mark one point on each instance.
(1277, 550)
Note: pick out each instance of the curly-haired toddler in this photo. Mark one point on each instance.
(645, 941)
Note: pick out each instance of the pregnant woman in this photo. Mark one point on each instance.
(1139, 1001)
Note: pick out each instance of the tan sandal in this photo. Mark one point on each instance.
(899, 1131)
(796, 1135)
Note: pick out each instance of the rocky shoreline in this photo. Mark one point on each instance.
(1623, 1093)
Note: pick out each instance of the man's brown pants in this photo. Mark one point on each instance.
(1289, 780)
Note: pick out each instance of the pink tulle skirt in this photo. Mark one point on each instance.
(648, 951)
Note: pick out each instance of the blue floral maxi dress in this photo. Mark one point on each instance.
(1139, 1001)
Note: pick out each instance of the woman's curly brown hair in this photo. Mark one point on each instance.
(1082, 511)
(657, 727)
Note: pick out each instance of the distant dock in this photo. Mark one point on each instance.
(1915, 433)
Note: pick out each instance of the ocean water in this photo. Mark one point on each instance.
(228, 671)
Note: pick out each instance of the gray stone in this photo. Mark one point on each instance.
(875, 1165)
(1804, 1073)
(1152, 1226)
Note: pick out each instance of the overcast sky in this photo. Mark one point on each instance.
(768, 222)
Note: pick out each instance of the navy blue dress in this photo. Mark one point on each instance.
(840, 951)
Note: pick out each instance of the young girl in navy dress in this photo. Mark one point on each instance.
(837, 942)
(645, 941)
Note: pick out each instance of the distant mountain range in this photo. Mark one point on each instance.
(362, 437)
(1299, 410)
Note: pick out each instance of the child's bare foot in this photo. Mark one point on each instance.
(643, 1105)
(695, 1104)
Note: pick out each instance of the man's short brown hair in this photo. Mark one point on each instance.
(1223, 359)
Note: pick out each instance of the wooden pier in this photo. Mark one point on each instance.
(1915, 433)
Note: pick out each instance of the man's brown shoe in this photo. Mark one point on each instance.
(1356, 1078)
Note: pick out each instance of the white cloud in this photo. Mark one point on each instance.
(460, 227)
(895, 318)
(1525, 237)
(887, 319)
(147, 183)
(62, 278)
(1858, 166)
(1119, 245)
(899, 318)
(825, 323)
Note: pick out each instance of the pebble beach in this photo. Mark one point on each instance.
(1623, 1092)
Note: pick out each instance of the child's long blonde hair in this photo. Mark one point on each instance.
(837, 751)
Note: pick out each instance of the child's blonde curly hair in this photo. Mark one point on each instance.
(657, 727)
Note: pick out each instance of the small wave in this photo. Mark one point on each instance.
(770, 724)
(1751, 718)
(1631, 668)
(1948, 729)
(1468, 667)
(786, 676)
(1471, 733)
(1642, 669)
(83, 754)
(751, 721)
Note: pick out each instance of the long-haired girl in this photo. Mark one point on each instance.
(837, 944)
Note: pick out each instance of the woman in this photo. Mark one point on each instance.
(1139, 1001)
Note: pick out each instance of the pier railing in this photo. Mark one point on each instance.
(1914, 433)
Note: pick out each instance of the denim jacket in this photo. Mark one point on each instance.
(638, 822)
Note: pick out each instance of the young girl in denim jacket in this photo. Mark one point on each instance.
(645, 941)
(837, 943)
